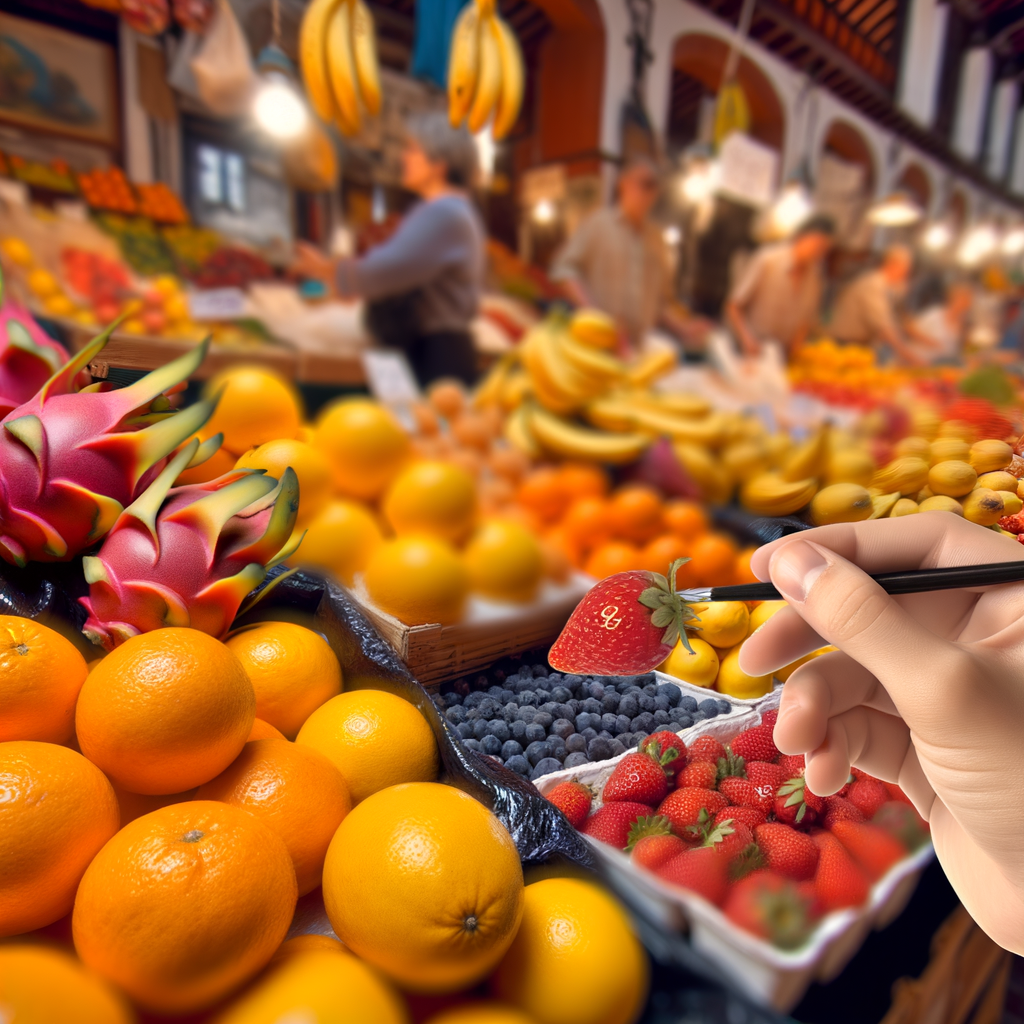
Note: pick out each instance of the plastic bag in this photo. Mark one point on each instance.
(223, 65)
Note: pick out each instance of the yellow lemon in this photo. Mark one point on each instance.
(424, 882)
(784, 673)
(417, 580)
(505, 562)
(734, 682)
(763, 612)
(310, 466)
(323, 985)
(433, 498)
(574, 929)
(365, 444)
(482, 1013)
(375, 740)
(699, 668)
(340, 539)
(721, 623)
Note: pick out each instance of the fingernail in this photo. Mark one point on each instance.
(795, 567)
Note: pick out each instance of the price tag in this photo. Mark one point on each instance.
(392, 383)
(217, 304)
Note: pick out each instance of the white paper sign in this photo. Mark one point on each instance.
(217, 304)
(390, 378)
(748, 170)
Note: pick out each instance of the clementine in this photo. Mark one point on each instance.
(231, 871)
(583, 479)
(661, 552)
(436, 499)
(365, 444)
(741, 571)
(588, 522)
(608, 559)
(712, 559)
(543, 493)
(310, 464)
(418, 580)
(504, 561)
(635, 513)
(303, 944)
(264, 731)
(340, 539)
(686, 519)
(448, 397)
(255, 406)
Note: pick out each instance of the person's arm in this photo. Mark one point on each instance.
(883, 323)
(739, 298)
(569, 268)
(738, 322)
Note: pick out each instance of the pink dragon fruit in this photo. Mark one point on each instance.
(71, 461)
(28, 355)
(188, 556)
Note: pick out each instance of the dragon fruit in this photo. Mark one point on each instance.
(187, 556)
(71, 461)
(28, 356)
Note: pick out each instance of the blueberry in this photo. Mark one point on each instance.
(507, 696)
(550, 708)
(536, 751)
(650, 687)
(661, 704)
(528, 698)
(610, 723)
(646, 702)
(576, 759)
(480, 728)
(661, 718)
(575, 743)
(610, 702)
(592, 705)
(518, 764)
(561, 694)
(518, 730)
(490, 745)
(571, 681)
(494, 691)
(589, 734)
(681, 719)
(629, 706)
(526, 714)
(597, 690)
(709, 707)
(622, 724)
(724, 707)
(499, 727)
(544, 719)
(630, 688)
(565, 711)
(510, 749)
(556, 746)
(509, 712)
(452, 698)
(562, 727)
(489, 707)
(543, 695)
(475, 699)
(599, 749)
(465, 730)
(539, 671)
(699, 716)
(554, 678)
(545, 766)
(523, 683)
(535, 733)
(618, 748)
(456, 714)
(688, 703)
(472, 745)
(576, 705)
(597, 722)
(644, 722)
(581, 721)
(670, 692)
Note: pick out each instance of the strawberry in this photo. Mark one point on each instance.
(701, 774)
(795, 804)
(731, 764)
(612, 822)
(625, 625)
(729, 838)
(838, 882)
(868, 794)
(705, 748)
(872, 847)
(700, 870)
(741, 792)
(895, 793)
(809, 893)
(651, 842)
(771, 907)
(683, 808)
(792, 764)
(666, 741)
(766, 780)
(640, 777)
(902, 821)
(573, 799)
(787, 851)
(838, 808)
(756, 744)
(750, 816)
(769, 718)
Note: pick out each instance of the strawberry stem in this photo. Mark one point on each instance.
(668, 609)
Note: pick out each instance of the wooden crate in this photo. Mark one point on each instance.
(436, 653)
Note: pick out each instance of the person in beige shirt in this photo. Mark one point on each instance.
(778, 296)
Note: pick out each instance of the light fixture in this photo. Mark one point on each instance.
(699, 181)
(486, 151)
(791, 209)
(979, 243)
(937, 237)
(896, 210)
(544, 211)
(672, 235)
(1013, 242)
(278, 108)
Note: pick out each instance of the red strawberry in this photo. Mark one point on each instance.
(731, 764)
(612, 822)
(766, 780)
(701, 774)
(874, 849)
(895, 793)
(839, 882)
(809, 893)
(701, 871)
(651, 842)
(750, 816)
(625, 625)
(705, 748)
(838, 808)
(795, 804)
(683, 808)
(771, 907)
(729, 838)
(667, 741)
(868, 794)
(769, 718)
(573, 799)
(902, 821)
(792, 764)
(756, 744)
(640, 776)
(787, 851)
(741, 792)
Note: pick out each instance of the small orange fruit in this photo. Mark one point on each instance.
(509, 463)
(483, 1013)
(542, 493)
(296, 791)
(135, 805)
(417, 580)
(608, 559)
(661, 552)
(583, 479)
(472, 430)
(435, 499)
(362, 732)
(559, 539)
(686, 519)
(557, 564)
(304, 944)
(588, 522)
(635, 513)
(365, 444)
(712, 559)
(424, 883)
(310, 464)
(292, 669)
(448, 397)
(264, 731)
(165, 711)
(340, 539)
(255, 406)
(40, 676)
(505, 562)
(231, 871)
(741, 570)
(57, 809)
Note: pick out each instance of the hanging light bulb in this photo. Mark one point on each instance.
(1013, 242)
(278, 108)
(979, 243)
(544, 212)
(792, 208)
(897, 210)
(937, 237)
(672, 235)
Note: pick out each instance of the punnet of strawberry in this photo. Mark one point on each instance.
(735, 824)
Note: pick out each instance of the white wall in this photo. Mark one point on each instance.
(975, 79)
(922, 60)
(1000, 129)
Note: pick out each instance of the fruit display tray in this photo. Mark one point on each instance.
(714, 946)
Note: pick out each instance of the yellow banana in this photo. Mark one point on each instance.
(882, 505)
(998, 480)
(906, 475)
(364, 48)
(559, 437)
(651, 366)
(513, 79)
(488, 80)
(941, 503)
(918, 446)
(514, 389)
(552, 372)
(809, 458)
(990, 455)
(341, 69)
(843, 503)
(313, 57)
(1011, 503)
(463, 63)
(713, 478)
(745, 459)
(681, 404)
(610, 414)
(489, 390)
(592, 361)
(595, 328)
(770, 495)
(851, 465)
(953, 478)
(517, 433)
(983, 506)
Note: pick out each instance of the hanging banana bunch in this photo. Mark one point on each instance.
(485, 71)
(338, 57)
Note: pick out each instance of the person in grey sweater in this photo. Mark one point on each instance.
(421, 287)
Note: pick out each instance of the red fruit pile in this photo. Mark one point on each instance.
(738, 826)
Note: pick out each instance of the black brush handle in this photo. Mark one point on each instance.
(910, 581)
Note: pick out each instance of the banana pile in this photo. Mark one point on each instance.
(338, 59)
(485, 71)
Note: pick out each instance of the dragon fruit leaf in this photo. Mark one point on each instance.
(156, 382)
(93, 570)
(105, 510)
(147, 505)
(19, 337)
(291, 546)
(206, 450)
(281, 524)
(29, 431)
(60, 383)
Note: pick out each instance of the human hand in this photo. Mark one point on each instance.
(310, 263)
(925, 690)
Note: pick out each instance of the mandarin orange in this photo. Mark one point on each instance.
(635, 513)
(712, 559)
(686, 519)
(661, 552)
(255, 406)
(588, 522)
(583, 479)
(543, 494)
(608, 559)
(264, 731)
(365, 444)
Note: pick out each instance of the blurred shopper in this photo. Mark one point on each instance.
(422, 287)
(778, 295)
(617, 260)
(944, 324)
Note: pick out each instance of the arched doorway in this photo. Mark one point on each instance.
(845, 181)
(914, 181)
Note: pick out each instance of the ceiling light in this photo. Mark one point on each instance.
(544, 212)
(1013, 242)
(672, 235)
(897, 210)
(937, 237)
(979, 243)
(791, 209)
(699, 182)
(279, 108)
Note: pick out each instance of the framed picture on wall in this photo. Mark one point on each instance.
(57, 82)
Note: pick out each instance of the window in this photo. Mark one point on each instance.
(221, 177)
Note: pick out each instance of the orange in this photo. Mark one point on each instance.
(557, 564)
(483, 1013)
(374, 739)
(712, 559)
(40, 676)
(686, 519)
(340, 539)
(635, 513)
(722, 624)
(165, 711)
(558, 540)
(543, 493)
(417, 580)
(220, 462)
(264, 731)
(472, 430)
(296, 791)
(365, 444)
(184, 904)
(292, 669)
(424, 883)
(661, 552)
(135, 805)
(574, 929)
(318, 985)
(588, 522)
(505, 562)
(583, 479)
(741, 570)
(608, 559)
(255, 406)
(305, 943)
(448, 397)
(56, 811)
(40, 985)
(309, 464)
(509, 463)
(435, 499)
